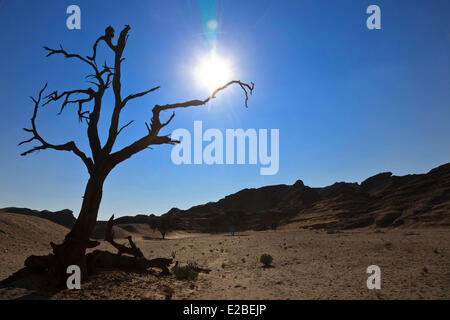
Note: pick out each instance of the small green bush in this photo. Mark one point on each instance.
(187, 272)
(266, 259)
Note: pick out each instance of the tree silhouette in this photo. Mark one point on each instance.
(153, 222)
(235, 219)
(271, 219)
(163, 224)
(73, 249)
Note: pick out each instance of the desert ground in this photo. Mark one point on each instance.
(307, 264)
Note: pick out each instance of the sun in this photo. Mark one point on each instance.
(213, 71)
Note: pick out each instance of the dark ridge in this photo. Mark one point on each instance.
(381, 201)
(63, 217)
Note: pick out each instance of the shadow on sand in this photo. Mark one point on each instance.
(26, 286)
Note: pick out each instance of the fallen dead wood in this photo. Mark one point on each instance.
(195, 268)
(138, 261)
(198, 269)
(109, 236)
(105, 259)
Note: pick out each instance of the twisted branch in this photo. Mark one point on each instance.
(70, 55)
(152, 138)
(69, 146)
(67, 94)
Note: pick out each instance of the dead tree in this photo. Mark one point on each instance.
(102, 160)
(163, 224)
(109, 236)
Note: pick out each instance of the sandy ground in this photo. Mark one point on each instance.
(22, 236)
(415, 264)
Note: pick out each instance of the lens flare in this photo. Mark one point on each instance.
(213, 71)
(212, 25)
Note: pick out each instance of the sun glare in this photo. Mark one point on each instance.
(213, 71)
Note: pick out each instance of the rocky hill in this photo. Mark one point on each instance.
(384, 200)
(64, 217)
(124, 226)
(23, 235)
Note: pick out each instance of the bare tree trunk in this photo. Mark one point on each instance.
(73, 250)
(85, 224)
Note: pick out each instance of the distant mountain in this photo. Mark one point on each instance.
(124, 226)
(63, 217)
(383, 200)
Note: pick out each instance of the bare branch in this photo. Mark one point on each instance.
(194, 103)
(98, 152)
(155, 121)
(70, 55)
(138, 146)
(99, 76)
(116, 85)
(123, 127)
(137, 95)
(88, 60)
(69, 146)
(152, 138)
(67, 94)
(168, 121)
(107, 37)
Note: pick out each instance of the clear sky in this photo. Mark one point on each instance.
(349, 102)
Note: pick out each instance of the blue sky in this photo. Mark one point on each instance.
(349, 102)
